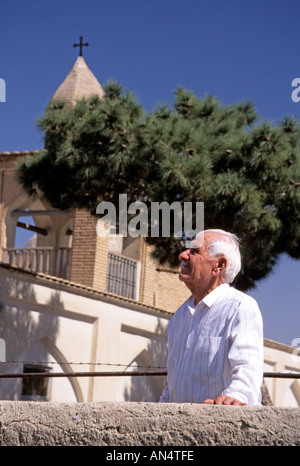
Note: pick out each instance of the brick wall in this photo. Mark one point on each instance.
(171, 292)
(89, 252)
(160, 286)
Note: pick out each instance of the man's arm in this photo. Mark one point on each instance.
(245, 357)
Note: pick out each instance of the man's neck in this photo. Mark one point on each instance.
(199, 294)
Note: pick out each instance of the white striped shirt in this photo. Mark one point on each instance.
(214, 348)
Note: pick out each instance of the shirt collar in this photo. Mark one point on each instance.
(211, 298)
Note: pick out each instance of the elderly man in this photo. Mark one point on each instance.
(215, 338)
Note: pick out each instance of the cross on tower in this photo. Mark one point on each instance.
(80, 45)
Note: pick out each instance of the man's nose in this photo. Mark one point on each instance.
(184, 255)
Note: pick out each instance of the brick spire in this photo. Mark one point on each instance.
(79, 83)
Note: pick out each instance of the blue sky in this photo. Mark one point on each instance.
(232, 49)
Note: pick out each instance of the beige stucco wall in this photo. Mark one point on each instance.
(281, 358)
(74, 328)
(77, 329)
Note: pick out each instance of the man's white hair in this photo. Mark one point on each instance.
(226, 244)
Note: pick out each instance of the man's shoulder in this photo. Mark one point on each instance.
(242, 299)
(239, 295)
(227, 294)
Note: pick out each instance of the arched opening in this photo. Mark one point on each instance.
(25, 235)
(292, 395)
(142, 388)
(44, 356)
(38, 238)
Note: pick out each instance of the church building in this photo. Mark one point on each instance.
(74, 302)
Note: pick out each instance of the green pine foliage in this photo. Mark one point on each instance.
(246, 172)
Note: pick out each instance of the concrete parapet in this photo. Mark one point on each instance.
(145, 424)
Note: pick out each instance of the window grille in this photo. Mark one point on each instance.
(35, 388)
(122, 276)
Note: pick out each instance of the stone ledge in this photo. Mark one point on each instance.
(145, 424)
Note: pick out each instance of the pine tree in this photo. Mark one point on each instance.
(246, 172)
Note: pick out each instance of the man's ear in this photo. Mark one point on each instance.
(221, 265)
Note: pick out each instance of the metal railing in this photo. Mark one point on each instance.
(22, 375)
(48, 260)
(122, 273)
(122, 276)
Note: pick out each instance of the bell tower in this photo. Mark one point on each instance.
(67, 244)
(89, 253)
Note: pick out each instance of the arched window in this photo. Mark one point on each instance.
(44, 356)
(38, 238)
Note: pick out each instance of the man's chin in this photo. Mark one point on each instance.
(183, 277)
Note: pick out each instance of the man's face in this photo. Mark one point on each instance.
(196, 266)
